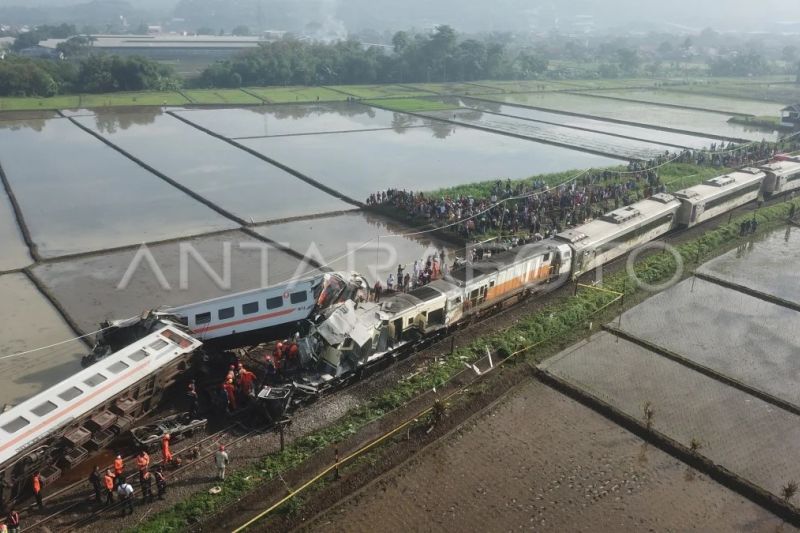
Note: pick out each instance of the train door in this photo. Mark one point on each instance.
(398, 329)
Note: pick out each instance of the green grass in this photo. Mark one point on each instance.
(381, 91)
(455, 88)
(523, 86)
(557, 324)
(131, 99)
(676, 176)
(412, 104)
(27, 104)
(220, 96)
(285, 95)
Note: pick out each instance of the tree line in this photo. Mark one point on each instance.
(20, 76)
(436, 57)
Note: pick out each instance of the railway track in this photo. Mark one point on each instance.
(82, 497)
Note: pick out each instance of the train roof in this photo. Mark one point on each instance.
(782, 168)
(620, 222)
(721, 185)
(34, 419)
(502, 260)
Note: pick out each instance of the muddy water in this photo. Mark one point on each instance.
(636, 132)
(30, 322)
(749, 437)
(90, 288)
(740, 336)
(79, 195)
(768, 265)
(700, 122)
(267, 121)
(239, 182)
(361, 163)
(374, 253)
(15, 251)
(598, 142)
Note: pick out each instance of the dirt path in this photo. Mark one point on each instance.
(517, 466)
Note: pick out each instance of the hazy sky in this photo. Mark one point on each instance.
(472, 15)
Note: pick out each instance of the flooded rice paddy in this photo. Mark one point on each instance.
(686, 120)
(292, 119)
(15, 251)
(601, 126)
(590, 141)
(78, 195)
(734, 338)
(361, 242)
(443, 155)
(733, 106)
(240, 183)
(30, 322)
(761, 265)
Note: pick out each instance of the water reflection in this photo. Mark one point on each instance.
(110, 121)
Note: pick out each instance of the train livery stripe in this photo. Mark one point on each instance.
(542, 273)
(200, 331)
(75, 405)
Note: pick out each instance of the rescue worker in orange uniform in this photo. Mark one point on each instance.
(293, 356)
(142, 461)
(37, 489)
(108, 481)
(166, 454)
(119, 469)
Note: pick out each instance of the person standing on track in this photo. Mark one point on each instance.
(13, 521)
(97, 483)
(142, 461)
(37, 489)
(166, 454)
(125, 492)
(108, 481)
(221, 460)
(161, 482)
(119, 468)
(146, 482)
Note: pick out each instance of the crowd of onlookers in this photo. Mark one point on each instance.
(538, 209)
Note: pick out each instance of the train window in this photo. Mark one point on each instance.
(95, 380)
(297, 297)
(228, 312)
(202, 318)
(159, 345)
(138, 355)
(70, 394)
(546, 257)
(16, 424)
(118, 367)
(41, 410)
(491, 284)
(274, 303)
(249, 309)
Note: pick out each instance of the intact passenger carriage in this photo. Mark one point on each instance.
(782, 177)
(719, 195)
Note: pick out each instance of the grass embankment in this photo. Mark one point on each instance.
(147, 98)
(287, 95)
(676, 176)
(220, 96)
(773, 123)
(559, 323)
(381, 91)
(412, 105)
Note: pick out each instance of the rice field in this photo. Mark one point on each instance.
(26, 104)
(411, 105)
(131, 99)
(734, 106)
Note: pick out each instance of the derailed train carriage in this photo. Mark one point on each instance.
(60, 427)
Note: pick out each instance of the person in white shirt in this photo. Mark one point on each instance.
(221, 460)
(125, 492)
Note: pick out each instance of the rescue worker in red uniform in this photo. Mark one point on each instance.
(246, 381)
(293, 356)
(166, 454)
(13, 521)
(230, 390)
